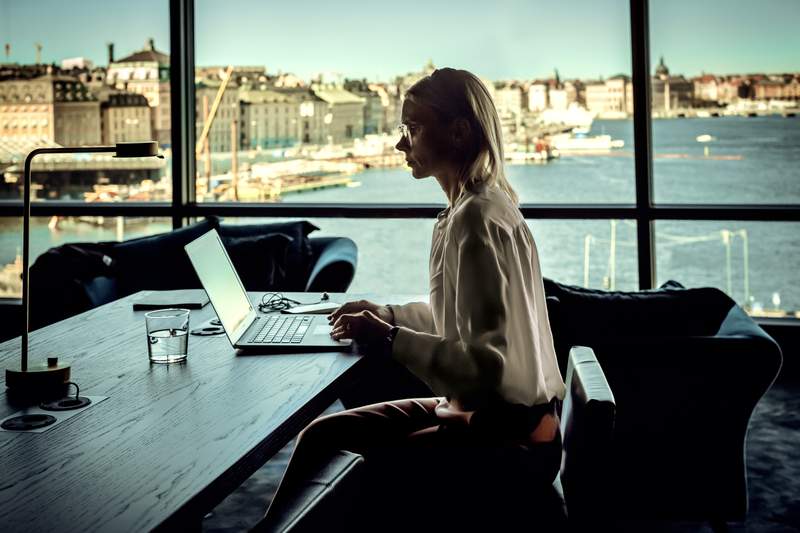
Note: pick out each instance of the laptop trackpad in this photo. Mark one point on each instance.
(322, 330)
(325, 330)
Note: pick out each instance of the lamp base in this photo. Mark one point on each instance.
(39, 382)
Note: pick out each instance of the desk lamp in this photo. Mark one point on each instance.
(46, 381)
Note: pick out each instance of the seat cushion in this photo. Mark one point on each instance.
(260, 260)
(159, 262)
(299, 253)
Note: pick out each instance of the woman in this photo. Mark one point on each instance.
(484, 342)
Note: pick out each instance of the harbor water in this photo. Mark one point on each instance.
(742, 161)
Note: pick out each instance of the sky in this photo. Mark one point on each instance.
(502, 39)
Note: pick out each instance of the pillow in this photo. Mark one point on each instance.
(260, 260)
(299, 253)
(159, 262)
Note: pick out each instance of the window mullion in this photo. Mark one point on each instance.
(643, 145)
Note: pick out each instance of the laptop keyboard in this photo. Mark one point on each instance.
(281, 329)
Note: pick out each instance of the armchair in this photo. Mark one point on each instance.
(687, 367)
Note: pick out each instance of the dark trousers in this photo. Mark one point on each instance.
(416, 466)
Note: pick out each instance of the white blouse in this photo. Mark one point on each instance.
(485, 331)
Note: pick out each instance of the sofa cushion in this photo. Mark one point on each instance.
(259, 260)
(159, 262)
(57, 277)
(299, 253)
(590, 314)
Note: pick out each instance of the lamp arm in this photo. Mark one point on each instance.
(26, 217)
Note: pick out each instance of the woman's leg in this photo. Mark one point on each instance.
(359, 430)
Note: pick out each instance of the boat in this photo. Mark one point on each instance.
(524, 158)
(566, 142)
(705, 138)
(521, 153)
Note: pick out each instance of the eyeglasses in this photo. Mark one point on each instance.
(407, 131)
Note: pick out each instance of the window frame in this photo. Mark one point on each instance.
(184, 207)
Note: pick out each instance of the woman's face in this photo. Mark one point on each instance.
(425, 143)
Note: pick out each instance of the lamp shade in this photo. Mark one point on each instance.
(138, 149)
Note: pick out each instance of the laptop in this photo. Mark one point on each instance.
(247, 329)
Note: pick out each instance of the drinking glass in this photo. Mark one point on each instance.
(167, 335)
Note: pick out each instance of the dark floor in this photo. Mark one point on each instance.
(773, 465)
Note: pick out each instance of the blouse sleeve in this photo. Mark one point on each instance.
(472, 364)
(414, 315)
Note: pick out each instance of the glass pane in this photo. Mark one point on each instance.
(315, 121)
(753, 262)
(393, 254)
(49, 232)
(726, 86)
(105, 83)
(599, 254)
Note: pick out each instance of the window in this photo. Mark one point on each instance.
(567, 130)
(724, 97)
(725, 132)
(47, 232)
(72, 104)
(755, 263)
(591, 253)
(322, 142)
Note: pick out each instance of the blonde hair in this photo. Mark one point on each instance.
(455, 94)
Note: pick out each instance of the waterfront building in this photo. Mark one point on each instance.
(611, 98)
(391, 104)
(125, 117)
(508, 98)
(537, 97)
(409, 79)
(288, 81)
(510, 103)
(777, 87)
(146, 72)
(670, 92)
(77, 63)
(269, 118)
(728, 88)
(226, 117)
(706, 88)
(557, 99)
(50, 108)
(343, 120)
(374, 119)
(574, 90)
(244, 75)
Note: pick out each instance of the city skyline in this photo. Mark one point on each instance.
(746, 42)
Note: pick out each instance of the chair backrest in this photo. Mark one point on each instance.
(587, 426)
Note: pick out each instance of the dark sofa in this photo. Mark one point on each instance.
(71, 278)
(687, 367)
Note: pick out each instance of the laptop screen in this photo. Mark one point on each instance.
(221, 282)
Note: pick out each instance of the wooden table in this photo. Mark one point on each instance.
(171, 441)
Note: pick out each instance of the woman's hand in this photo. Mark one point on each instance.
(364, 327)
(381, 311)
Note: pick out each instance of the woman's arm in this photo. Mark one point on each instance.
(472, 364)
(415, 315)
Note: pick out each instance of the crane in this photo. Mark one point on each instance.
(210, 120)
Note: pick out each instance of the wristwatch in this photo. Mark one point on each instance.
(390, 338)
